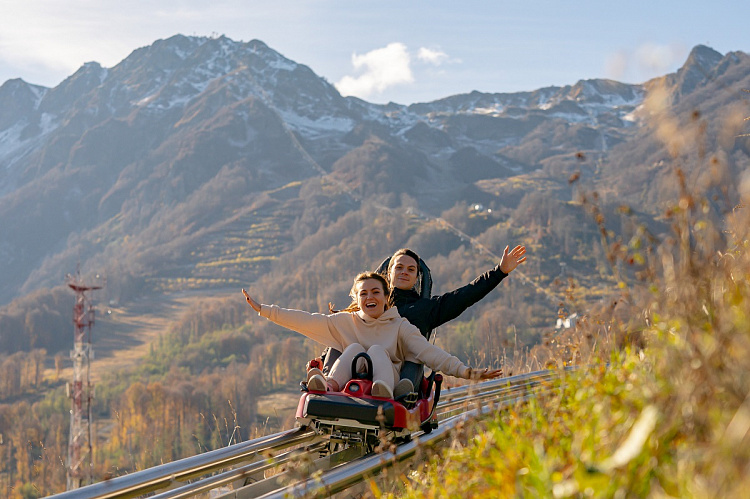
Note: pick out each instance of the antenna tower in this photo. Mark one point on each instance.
(80, 389)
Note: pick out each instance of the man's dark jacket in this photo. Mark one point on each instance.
(429, 313)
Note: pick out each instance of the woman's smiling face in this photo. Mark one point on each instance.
(371, 297)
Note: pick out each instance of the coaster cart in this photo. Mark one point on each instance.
(353, 417)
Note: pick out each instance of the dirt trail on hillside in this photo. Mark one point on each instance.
(122, 336)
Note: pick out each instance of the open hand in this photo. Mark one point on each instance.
(485, 373)
(512, 259)
(253, 303)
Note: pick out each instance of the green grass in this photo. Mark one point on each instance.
(627, 430)
(560, 444)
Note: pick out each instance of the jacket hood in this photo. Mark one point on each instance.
(387, 316)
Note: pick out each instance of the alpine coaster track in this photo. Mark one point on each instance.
(316, 464)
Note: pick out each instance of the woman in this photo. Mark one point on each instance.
(369, 325)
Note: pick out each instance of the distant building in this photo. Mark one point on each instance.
(567, 322)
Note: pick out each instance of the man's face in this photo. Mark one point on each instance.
(403, 272)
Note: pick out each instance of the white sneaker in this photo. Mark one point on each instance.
(403, 387)
(381, 390)
(317, 383)
(312, 372)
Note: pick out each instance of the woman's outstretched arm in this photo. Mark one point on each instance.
(485, 373)
(437, 359)
(253, 303)
(317, 327)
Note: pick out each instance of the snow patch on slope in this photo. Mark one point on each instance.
(315, 128)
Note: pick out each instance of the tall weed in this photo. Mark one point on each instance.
(668, 414)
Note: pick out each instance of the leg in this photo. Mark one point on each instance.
(330, 356)
(413, 372)
(341, 371)
(382, 366)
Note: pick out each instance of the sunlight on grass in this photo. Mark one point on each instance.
(668, 413)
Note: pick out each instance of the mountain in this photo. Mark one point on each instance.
(696, 71)
(196, 162)
(695, 124)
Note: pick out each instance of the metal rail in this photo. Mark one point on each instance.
(171, 474)
(348, 475)
(250, 471)
(506, 392)
(247, 461)
(518, 379)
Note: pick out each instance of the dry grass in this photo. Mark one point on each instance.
(669, 416)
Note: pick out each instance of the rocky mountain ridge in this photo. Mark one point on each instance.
(195, 162)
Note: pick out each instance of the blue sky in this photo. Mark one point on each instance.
(402, 51)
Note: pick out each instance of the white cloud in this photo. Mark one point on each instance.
(659, 58)
(44, 41)
(434, 57)
(646, 61)
(51, 38)
(380, 69)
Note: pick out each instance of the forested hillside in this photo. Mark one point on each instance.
(198, 166)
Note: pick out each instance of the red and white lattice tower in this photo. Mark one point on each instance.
(80, 389)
